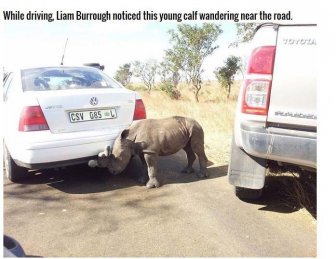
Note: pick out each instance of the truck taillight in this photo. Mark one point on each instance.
(139, 110)
(256, 96)
(261, 60)
(257, 90)
(32, 119)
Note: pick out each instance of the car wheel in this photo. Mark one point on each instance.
(12, 248)
(14, 172)
(248, 194)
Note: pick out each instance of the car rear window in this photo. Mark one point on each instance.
(64, 78)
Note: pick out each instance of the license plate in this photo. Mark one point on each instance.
(92, 115)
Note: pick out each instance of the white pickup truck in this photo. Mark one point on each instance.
(276, 110)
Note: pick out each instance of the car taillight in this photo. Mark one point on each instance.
(32, 119)
(139, 110)
(257, 88)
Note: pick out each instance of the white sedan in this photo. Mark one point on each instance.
(59, 116)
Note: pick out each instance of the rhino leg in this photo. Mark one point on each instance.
(151, 161)
(203, 163)
(143, 178)
(197, 145)
(191, 158)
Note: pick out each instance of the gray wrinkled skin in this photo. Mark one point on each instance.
(156, 137)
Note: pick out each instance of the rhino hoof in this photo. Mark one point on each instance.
(152, 183)
(187, 170)
(203, 174)
(200, 175)
(142, 179)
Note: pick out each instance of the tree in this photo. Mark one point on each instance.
(170, 68)
(170, 77)
(146, 71)
(226, 73)
(245, 32)
(191, 45)
(124, 74)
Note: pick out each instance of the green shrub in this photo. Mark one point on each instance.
(170, 89)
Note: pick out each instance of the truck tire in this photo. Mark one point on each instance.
(14, 172)
(248, 194)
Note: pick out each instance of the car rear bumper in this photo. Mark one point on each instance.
(83, 160)
(67, 149)
(290, 146)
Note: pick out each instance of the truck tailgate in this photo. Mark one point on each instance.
(295, 67)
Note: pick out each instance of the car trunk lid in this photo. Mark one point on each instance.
(87, 109)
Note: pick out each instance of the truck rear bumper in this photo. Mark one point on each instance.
(290, 146)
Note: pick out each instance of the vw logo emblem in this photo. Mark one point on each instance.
(93, 101)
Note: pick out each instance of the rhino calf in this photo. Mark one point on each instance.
(151, 138)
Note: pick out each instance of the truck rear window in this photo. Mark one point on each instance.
(64, 78)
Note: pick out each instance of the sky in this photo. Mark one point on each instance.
(38, 43)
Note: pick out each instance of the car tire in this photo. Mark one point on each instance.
(12, 248)
(248, 194)
(14, 172)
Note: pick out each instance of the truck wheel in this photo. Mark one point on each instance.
(14, 172)
(248, 194)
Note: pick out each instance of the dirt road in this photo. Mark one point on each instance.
(84, 212)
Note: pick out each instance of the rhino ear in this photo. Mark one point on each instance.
(124, 133)
(107, 151)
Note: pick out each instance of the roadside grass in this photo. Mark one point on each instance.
(215, 112)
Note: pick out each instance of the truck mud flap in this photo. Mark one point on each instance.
(245, 170)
